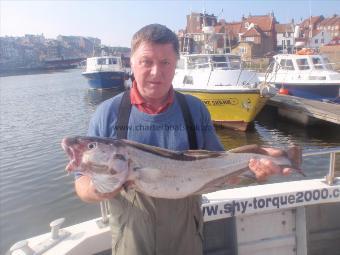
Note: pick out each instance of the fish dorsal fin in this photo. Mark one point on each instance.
(188, 155)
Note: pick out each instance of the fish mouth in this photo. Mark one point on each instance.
(69, 145)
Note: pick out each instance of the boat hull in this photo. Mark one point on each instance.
(316, 91)
(105, 80)
(232, 109)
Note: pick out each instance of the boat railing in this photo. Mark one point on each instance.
(215, 65)
(329, 179)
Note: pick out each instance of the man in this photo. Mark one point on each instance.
(152, 113)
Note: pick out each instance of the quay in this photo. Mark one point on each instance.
(305, 111)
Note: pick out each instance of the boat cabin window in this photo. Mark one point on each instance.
(317, 63)
(235, 62)
(328, 65)
(113, 61)
(101, 61)
(219, 61)
(198, 62)
(302, 63)
(286, 64)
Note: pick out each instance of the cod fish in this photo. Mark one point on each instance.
(158, 172)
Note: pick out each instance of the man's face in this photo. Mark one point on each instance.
(153, 66)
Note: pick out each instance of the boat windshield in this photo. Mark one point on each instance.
(214, 61)
(219, 61)
(113, 61)
(235, 62)
(101, 61)
(302, 63)
(328, 65)
(317, 63)
(287, 64)
(196, 62)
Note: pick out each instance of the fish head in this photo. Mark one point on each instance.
(96, 155)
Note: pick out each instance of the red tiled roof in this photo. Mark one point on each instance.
(233, 29)
(265, 22)
(254, 31)
(282, 28)
(333, 21)
(312, 20)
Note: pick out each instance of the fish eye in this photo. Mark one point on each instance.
(92, 146)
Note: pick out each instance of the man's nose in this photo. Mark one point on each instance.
(155, 70)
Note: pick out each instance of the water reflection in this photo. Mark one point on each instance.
(94, 96)
(232, 138)
(278, 129)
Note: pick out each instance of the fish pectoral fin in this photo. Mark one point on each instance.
(105, 183)
(148, 175)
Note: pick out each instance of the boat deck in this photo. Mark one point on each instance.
(305, 111)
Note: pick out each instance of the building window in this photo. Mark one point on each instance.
(322, 40)
(316, 41)
(243, 50)
(249, 39)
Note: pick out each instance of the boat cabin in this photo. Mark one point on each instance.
(105, 63)
(296, 62)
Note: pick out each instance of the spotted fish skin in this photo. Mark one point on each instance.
(155, 171)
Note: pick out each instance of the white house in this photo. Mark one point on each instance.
(319, 39)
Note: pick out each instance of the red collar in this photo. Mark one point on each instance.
(141, 104)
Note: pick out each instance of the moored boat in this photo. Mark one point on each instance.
(105, 72)
(304, 74)
(231, 94)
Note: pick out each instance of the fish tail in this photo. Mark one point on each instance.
(294, 154)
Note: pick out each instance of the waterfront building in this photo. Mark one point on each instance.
(285, 37)
(257, 37)
(330, 25)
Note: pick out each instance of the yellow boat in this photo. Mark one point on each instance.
(236, 109)
(231, 94)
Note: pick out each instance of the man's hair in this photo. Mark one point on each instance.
(154, 33)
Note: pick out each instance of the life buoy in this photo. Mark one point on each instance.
(305, 51)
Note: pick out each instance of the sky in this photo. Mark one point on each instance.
(114, 22)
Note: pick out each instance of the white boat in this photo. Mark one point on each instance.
(304, 74)
(105, 72)
(297, 217)
(231, 94)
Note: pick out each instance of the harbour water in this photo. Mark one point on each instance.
(38, 110)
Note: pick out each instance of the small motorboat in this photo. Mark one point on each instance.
(106, 72)
(304, 74)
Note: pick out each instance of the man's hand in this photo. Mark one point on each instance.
(263, 168)
(88, 193)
